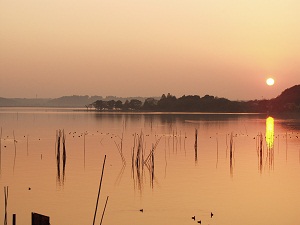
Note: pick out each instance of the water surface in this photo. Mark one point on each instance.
(239, 185)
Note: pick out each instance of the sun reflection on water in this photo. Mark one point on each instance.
(270, 132)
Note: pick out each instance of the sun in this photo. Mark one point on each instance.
(270, 81)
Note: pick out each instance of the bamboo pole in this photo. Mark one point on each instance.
(58, 146)
(217, 151)
(58, 156)
(196, 145)
(64, 156)
(27, 145)
(15, 150)
(104, 210)
(0, 148)
(5, 204)
(231, 154)
(84, 149)
(99, 190)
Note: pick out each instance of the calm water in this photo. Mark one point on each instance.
(240, 185)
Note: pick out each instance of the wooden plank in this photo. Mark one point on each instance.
(14, 219)
(38, 219)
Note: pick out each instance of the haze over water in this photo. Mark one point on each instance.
(242, 188)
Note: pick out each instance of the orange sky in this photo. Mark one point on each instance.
(52, 48)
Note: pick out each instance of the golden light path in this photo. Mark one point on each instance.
(270, 132)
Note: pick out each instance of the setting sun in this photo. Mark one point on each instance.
(270, 81)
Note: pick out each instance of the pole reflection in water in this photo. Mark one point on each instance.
(270, 140)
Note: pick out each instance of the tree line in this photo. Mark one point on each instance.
(288, 101)
(169, 103)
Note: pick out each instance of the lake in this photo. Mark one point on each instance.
(242, 168)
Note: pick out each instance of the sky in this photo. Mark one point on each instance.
(54, 48)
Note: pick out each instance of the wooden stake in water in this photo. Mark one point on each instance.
(27, 144)
(5, 204)
(99, 190)
(104, 210)
(231, 154)
(15, 150)
(64, 156)
(0, 148)
(260, 152)
(286, 147)
(58, 146)
(217, 151)
(196, 144)
(58, 156)
(84, 150)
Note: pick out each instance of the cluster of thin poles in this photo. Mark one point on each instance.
(260, 153)
(140, 160)
(120, 150)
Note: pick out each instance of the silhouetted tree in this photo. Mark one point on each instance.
(110, 104)
(126, 105)
(119, 104)
(188, 103)
(99, 105)
(167, 103)
(150, 104)
(135, 104)
(163, 97)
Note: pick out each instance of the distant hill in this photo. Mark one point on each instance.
(65, 101)
(290, 95)
(71, 101)
(82, 101)
(23, 102)
(7, 102)
(288, 100)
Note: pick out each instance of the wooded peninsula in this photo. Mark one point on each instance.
(288, 101)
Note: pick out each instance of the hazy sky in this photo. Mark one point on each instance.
(52, 48)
